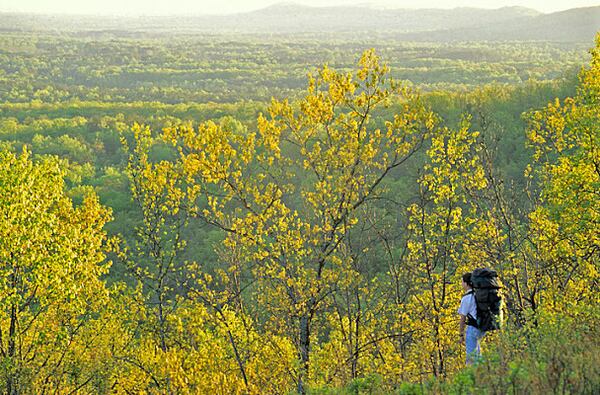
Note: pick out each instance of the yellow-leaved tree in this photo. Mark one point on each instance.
(444, 225)
(180, 333)
(53, 316)
(566, 224)
(288, 194)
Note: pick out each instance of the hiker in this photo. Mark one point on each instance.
(468, 320)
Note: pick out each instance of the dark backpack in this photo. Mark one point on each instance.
(489, 302)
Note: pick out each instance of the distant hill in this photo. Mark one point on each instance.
(507, 23)
(577, 24)
(297, 18)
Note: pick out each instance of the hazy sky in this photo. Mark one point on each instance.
(159, 7)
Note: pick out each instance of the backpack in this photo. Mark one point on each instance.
(487, 298)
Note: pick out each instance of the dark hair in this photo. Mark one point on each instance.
(467, 279)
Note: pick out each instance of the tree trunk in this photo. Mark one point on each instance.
(11, 382)
(304, 347)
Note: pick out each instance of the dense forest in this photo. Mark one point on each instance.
(255, 213)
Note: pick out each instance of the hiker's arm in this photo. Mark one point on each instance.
(461, 329)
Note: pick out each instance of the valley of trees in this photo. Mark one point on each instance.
(276, 215)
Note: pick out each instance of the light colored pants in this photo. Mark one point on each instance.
(472, 340)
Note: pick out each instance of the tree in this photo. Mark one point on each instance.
(288, 195)
(566, 224)
(159, 273)
(444, 226)
(53, 318)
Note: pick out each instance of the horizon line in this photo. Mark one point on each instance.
(198, 14)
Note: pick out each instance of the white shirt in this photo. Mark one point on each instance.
(468, 306)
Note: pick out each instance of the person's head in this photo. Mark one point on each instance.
(466, 281)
